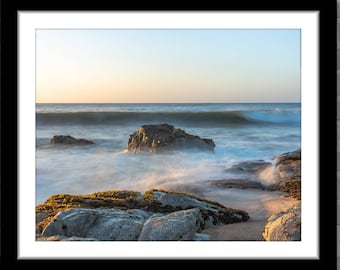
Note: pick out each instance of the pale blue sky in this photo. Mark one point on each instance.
(168, 65)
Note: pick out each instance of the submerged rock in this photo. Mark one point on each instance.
(61, 139)
(237, 183)
(284, 226)
(156, 138)
(251, 166)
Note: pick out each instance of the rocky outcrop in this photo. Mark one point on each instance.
(288, 170)
(129, 215)
(285, 174)
(284, 226)
(157, 138)
(289, 164)
(61, 139)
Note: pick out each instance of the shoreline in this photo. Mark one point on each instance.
(243, 212)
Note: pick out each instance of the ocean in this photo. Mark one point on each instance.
(240, 131)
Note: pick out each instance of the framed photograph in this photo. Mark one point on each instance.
(169, 135)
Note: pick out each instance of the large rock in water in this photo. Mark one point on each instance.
(61, 139)
(156, 138)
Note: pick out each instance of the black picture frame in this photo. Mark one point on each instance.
(327, 107)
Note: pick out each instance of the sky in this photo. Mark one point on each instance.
(167, 65)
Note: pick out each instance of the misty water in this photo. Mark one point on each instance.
(241, 132)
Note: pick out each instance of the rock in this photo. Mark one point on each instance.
(201, 237)
(289, 164)
(284, 175)
(100, 224)
(290, 185)
(119, 199)
(40, 216)
(61, 139)
(63, 238)
(179, 225)
(212, 213)
(237, 183)
(74, 238)
(52, 238)
(288, 170)
(177, 200)
(289, 156)
(251, 166)
(284, 226)
(157, 138)
(120, 215)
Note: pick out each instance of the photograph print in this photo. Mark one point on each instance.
(171, 134)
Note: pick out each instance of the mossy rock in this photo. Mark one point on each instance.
(121, 199)
(211, 211)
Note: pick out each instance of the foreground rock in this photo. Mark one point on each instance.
(102, 224)
(129, 215)
(156, 138)
(61, 139)
(179, 225)
(284, 226)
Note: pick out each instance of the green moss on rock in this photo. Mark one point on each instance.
(126, 199)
